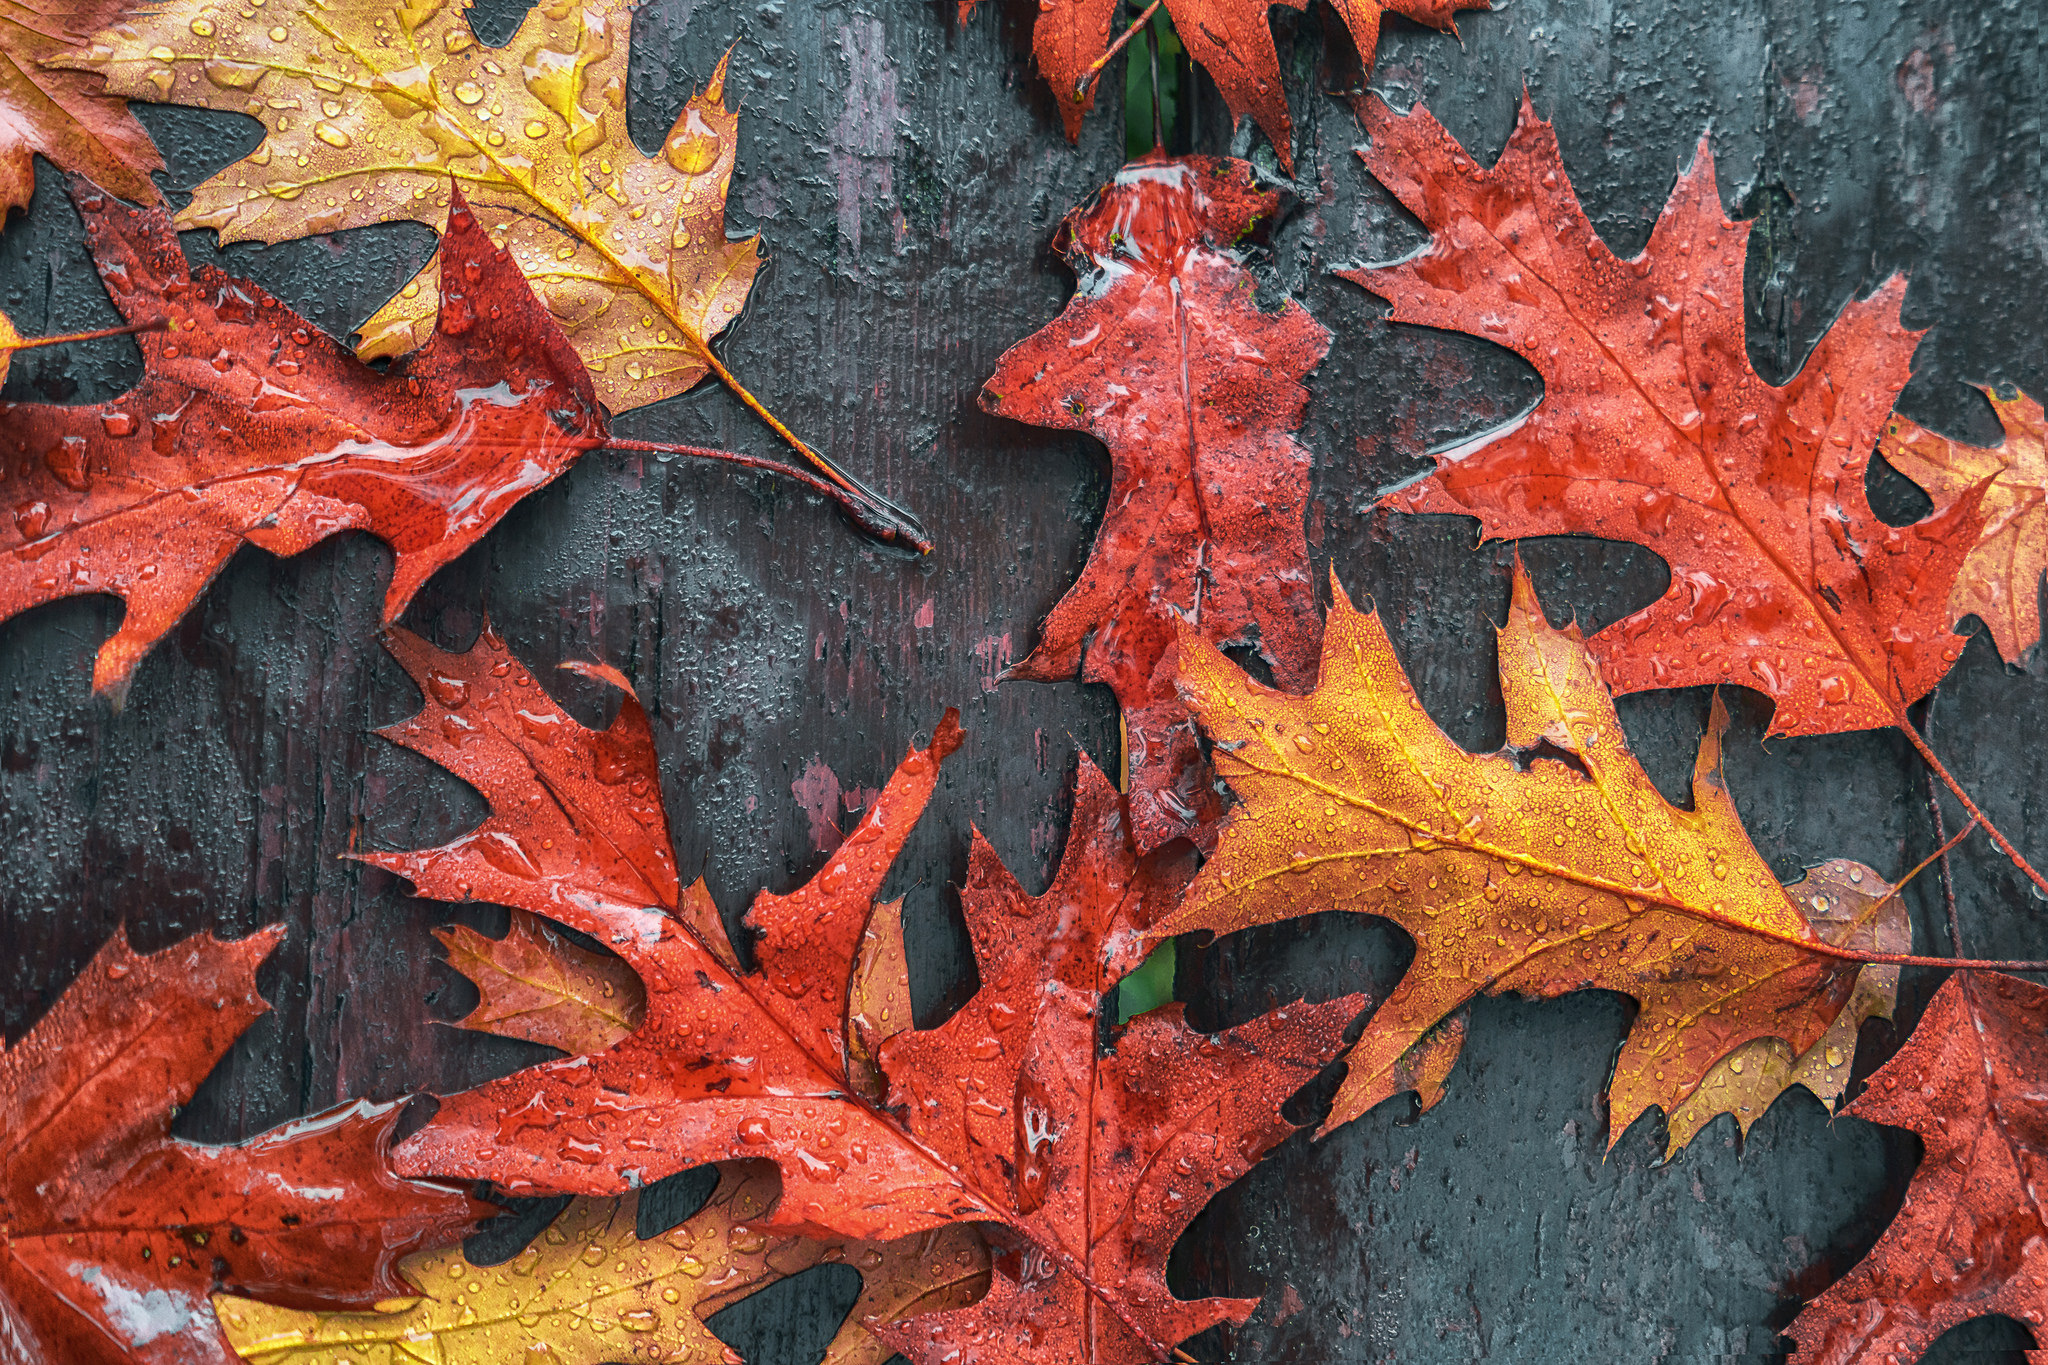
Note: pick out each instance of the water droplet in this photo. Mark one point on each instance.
(469, 92)
(449, 692)
(331, 135)
(755, 1132)
(1836, 689)
(1834, 1056)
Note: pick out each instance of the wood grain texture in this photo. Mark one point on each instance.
(907, 173)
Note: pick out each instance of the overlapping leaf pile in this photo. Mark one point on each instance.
(1011, 1181)
(1087, 1166)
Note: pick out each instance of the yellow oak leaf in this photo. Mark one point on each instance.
(2001, 578)
(374, 109)
(1554, 865)
(1849, 906)
(589, 1290)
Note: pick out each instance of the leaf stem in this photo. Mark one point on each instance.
(30, 343)
(1918, 868)
(1948, 881)
(1088, 77)
(858, 511)
(1977, 816)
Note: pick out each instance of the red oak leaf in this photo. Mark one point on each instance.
(1164, 356)
(1972, 1238)
(252, 426)
(1232, 39)
(1116, 1153)
(113, 1233)
(878, 1132)
(1654, 429)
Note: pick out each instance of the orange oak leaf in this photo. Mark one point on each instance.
(1232, 39)
(2001, 577)
(538, 986)
(250, 426)
(1164, 356)
(1654, 429)
(1005, 1115)
(65, 116)
(1971, 1238)
(1551, 866)
(113, 1233)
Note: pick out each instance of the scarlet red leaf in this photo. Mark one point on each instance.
(1006, 1114)
(113, 1233)
(1654, 429)
(252, 426)
(1232, 39)
(1165, 357)
(1971, 1238)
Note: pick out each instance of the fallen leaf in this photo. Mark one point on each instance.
(67, 117)
(1232, 39)
(538, 986)
(1971, 1238)
(251, 426)
(1108, 1156)
(2001, 577)
(375, 112)
(590, 1290)
(1164, 355)
(1836, 898)
(1654, 429)
(1553, 865)
(788, 1063)
(113, 1233)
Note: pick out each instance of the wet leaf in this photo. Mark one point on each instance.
(987, 1118)
(375, 111)
(538, 986)
(1164, 356)
(1232, 39)
(2000, 580)
(1837, 899)
(1970, 1239)
(1551, 866)
(68, 117)
(113, 1233)
(1654, 429)
(589, 1290)
(251, 426)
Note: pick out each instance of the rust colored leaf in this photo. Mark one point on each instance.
(251, 426)
(538, 986)
(2000, 580)
(113, 1233)
(564, 1301)
(1971, 1238)
(989, 1117)
(1654, 429)
(67, 117)
(1841, 900)
(1551, 866)
(1164, 356)
(1232, 39)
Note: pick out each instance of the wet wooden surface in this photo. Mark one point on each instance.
(907, 173)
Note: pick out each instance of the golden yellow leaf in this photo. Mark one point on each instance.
(1849, 906)
(375, 109)
(2001, 578)
(1551, 866)
(588, 1290)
